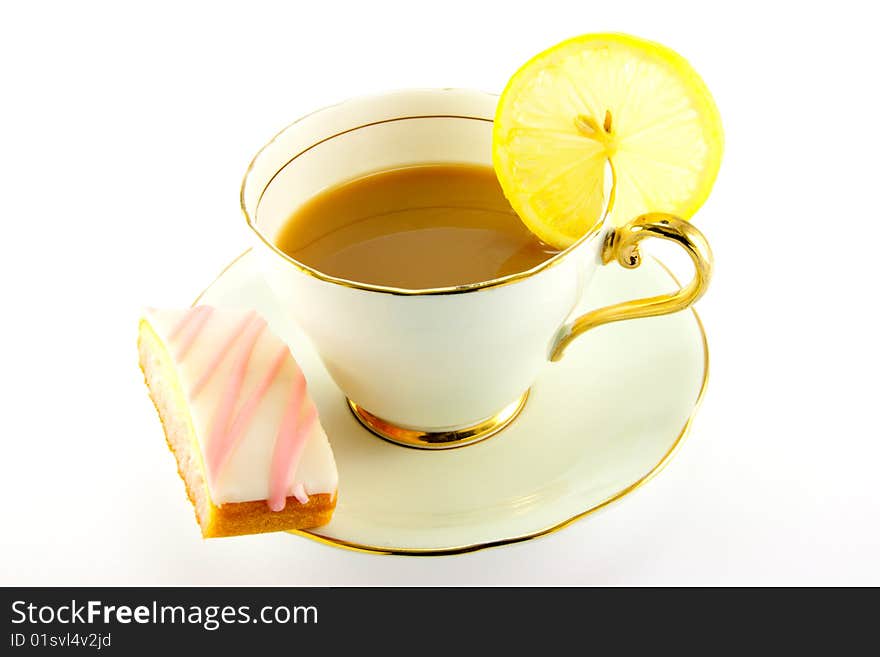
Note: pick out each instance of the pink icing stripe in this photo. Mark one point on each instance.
(182, 322)
(299, 492)
(193, 330)
(248, 409)
(217, 440)
(292, 435)
(221, 355)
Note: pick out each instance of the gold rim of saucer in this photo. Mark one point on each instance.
(474, 547)
(437, 440)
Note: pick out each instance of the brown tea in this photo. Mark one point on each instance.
(433, 225)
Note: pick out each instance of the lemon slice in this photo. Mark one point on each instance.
(601, 97)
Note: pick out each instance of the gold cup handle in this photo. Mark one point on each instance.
(622, 244)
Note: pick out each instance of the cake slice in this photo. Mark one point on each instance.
(238, 418)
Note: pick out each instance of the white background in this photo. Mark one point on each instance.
(124, 134)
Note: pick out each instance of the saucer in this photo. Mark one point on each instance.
(597, 425)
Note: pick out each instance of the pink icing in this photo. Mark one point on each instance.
(218, 358)
(299, 492)
(218, 443)
(249, 408)
(299, 415)
(182, 322)
(228, 427)
(192, 330)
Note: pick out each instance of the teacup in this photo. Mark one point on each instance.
(443, 367)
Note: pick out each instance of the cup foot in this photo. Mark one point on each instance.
(440, 439)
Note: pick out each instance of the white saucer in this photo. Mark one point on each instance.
(597, 425)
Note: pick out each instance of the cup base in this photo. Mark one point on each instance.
(440, 439)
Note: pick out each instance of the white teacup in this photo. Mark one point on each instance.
(441, 367)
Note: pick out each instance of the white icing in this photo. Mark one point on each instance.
(245, 476)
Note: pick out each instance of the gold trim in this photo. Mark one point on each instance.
(385, 289)
(431, 552)
(438, 440)
(222, 273)
(622, 244)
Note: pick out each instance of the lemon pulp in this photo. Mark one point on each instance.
(598, 98)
